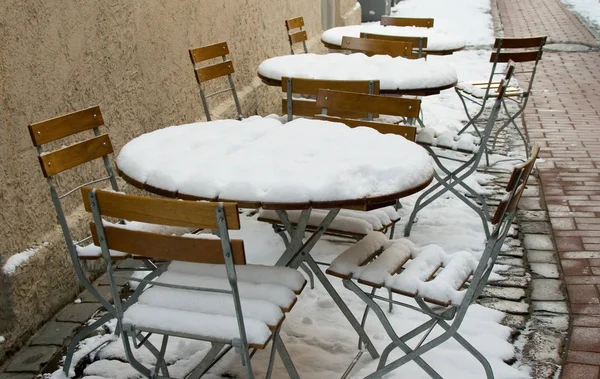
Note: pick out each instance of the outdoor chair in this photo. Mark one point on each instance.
(525, 51)
(213, 71)
(56, 160)
(377, 47)
(418, 43)
(405, 21)
(296, 33)
(219, 299)
(448, 180)
(442, 285)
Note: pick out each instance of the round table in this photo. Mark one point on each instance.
(396, 75)
(438, 43)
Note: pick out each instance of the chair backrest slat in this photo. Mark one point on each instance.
(406, 131)
(517, 56)
(68, 157)
(395, 106)
(298, 37)
(294, 23)
(406, 21)
(206, 73)
(209, 52)
(414, 40)
(519, 43)
(162, 211)
(375, 47)
(167, 247)
(66, 125)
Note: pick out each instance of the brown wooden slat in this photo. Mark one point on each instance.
(172, 248)
(68, 157)
(406, 131)
(414, 40)
(396, 106)
(312, 86)
(294, 23)
(521, 172)
(519, 56)
(161, 211)
(204, 74)
(375, 46)
(391, 270)
(520, 43)
(66, 125)
(406, 21)
(298, 37)
(208, 52)
(369, 258)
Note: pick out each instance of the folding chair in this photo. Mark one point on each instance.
(520, 50)
(225, 301)
(377, 47)
(295, 37)
(58, 160)
(434, 279)
(214, 71)
(448, 180)
(419, 43)
(405, 21)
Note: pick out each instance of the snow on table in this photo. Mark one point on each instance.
(436, 41)
(394, 74)
(261, 160)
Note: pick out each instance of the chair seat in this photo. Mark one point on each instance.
(477, 89)
(347, 222)
(428, 272)
(464, 143)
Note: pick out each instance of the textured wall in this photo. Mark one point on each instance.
(131, 58)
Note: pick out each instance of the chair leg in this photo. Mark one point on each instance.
(286, 359)
(471, 120)
(311, 277)
(489, 373)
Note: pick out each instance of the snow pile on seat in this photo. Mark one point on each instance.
(449, 140)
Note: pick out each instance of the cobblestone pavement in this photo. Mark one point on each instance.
(564, 118)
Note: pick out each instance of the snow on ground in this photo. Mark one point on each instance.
(588, 9)
(19, 259)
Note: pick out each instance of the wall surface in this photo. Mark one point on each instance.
(131, 58)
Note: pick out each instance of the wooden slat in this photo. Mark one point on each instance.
(396, 106)
(294, 23)
(208, 52)
(298, 37)
(172, 248)
(414, 40)
(375, 46)
(406, 131)
(406, 21)
(309, 109)
(66, 125)
(520, 43)
(520, 56)
(214, 71)
(161, 211)
(521, 172)
(507, 206)
(312, 86)
(74, 155)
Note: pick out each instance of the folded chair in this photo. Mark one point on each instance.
(405, 21)
(525, 51)
(213, 71)
(57, 160)
(419, 43)
(443, 285)
(448, 180)
(295, 37)
(225, 301)
(377, 47)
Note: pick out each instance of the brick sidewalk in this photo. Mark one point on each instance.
(563, 116)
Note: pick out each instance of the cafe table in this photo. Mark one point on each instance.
(438, 43)
(397, 76)
(300, 165)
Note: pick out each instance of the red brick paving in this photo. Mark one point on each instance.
(563, 116)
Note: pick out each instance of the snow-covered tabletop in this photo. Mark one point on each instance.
(396, 75)
(437, 42)
(261, 162)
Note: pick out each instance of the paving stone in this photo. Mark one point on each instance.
(77, 312)
(521, 282)
(531, 191)
(505, 305)
(511, 261)
(535, 227)
(550, 306)
(546, 289)
(544, 347)
(556, 322)
(530, 204)
(121, 280)
(507, 293)
(517, 252)
(540, 256)
(31, 359)
(585, 339)
(543, 370)
(514, 321)
(546, 270)
(524, 215)
(87, 297)
(579, 371)
(510, 271)
(14, 375)
(55, 333)
(538, 242)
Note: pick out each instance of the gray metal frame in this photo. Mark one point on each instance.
(204, 96)
(218, 349)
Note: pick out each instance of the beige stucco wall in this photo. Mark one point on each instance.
(131, 58)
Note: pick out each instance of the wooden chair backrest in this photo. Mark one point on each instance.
(406, 131)
(56, 161)
(211, 71)
(307, 108)
(377, 47)
(395, 106)
(406, 21)
(518, 49)
(192, 214)
(298, 36)
(418, 43)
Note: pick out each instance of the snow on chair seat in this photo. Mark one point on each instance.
(464, 143)
(480, 89)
